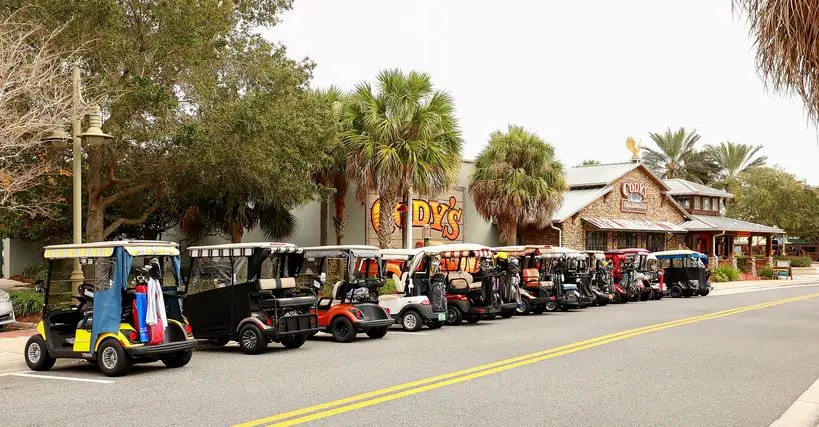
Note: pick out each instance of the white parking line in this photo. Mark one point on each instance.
(51, 377)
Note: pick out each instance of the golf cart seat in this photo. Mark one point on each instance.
(547, 284)
(273, 284)
(461, 280)
(389, 297)
(336, 299)
(531, 278)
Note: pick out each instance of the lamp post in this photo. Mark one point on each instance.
(94, 136)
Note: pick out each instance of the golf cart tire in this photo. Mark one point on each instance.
(551, 306)
(411, 321)
(437, 324)
(564, 308)
(507, 313)
(526, 309)
(538, 309)
(251, 345)
(44, 362)
(376, 333)
(473, 318)
(454, 316)
(343, 329)
(178, 359)
(218, 342)
(294, 341)
(122, 362)
(645, 296)
(676, 291)
(704, 293)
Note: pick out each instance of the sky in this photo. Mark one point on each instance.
(584, 75)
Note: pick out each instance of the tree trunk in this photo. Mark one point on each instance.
(403, 225)
(386, 222)
(340, 221)
(236, 233)
(95, 222)
(508, 231)
(324, 217)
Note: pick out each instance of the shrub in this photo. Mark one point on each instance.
(388, 288)
(718, 278)
(796, 261)
(36, 272)
(26, 302)
(766, 273)
(730, 274)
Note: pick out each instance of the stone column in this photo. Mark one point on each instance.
(733, 261)
(752, 260)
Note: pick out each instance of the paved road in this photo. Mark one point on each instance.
(741, 367)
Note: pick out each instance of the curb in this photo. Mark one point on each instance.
(803, 412)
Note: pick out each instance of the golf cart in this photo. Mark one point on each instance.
(624, 266)
(600, 283)
(353, 306)
(653, 277)
(127, 307)
(471, 281)
(578, 271)
(554, 264)
(414, 303)
(684, 273)
(246, 292)
(535, 294)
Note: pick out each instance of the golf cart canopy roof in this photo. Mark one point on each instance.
(399, 254)
(523, 250)
(106, 249)
(458, 250)
(358, 251)
(680, 253)
(241, 249)
(559, 251)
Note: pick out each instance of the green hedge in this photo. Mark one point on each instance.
(26, 302)
(796, 261)
(725, 273)
(766, 273)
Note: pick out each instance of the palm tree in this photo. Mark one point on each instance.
(674, 150)
(589, 162)
(231, 216)
(399, 138)
(787, 46)
(733, 159)
(333, 174)
(518, 181)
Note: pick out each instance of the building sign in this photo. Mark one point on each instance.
(634, 197)
(443, 215)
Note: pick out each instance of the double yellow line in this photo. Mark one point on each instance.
(364, 400)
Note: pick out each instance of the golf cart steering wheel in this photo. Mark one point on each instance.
(85, 292)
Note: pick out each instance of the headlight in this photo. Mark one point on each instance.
(4, 297)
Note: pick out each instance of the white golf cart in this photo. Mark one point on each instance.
(414, 304)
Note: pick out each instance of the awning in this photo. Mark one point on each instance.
(721, 223)
(216, 252)
(78, 253)
(634, 225)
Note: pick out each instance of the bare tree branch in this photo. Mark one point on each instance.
(107, 201)
(120, 222)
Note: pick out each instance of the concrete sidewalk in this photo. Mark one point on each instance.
(12, 345)
(745, 284)
(804, 412)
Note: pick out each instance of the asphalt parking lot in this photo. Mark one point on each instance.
(740, 358)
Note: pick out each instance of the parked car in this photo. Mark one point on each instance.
(6, 309)
(118, 277)
(685, 273)
(353, 306)
(247, 293)
(415, 303)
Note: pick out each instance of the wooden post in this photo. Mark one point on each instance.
(769, 250)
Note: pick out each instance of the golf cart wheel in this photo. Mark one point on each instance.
(538, 309)
(251, 339)
(704, 293)
(37, 357)
(507, 313)
(112, 358)
(294, 341)
(564, 308)
(659, 295)
(454, 316)
(437, 324)
(343, 329)
(551, 306)
(676, 291)
(178, 359)
(218, 342)
(473, 318)
(645, 296)
(526, 308)
(411, 321)
(376, 333)
(688, 293)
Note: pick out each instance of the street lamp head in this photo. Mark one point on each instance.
(94, 135)
(57, 135)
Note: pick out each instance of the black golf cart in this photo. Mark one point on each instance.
(685, 273)
(535, 293)
(247, 292)
(125, 311)
(555, 263)
(600, 283)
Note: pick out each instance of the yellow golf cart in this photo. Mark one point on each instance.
(125, 309)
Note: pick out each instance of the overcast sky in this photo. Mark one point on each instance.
(582, 74)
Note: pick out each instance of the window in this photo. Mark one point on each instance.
(706, 203)
(685, 202)
(626, 240)
(697, 203)
(715, 204)
(655, 242)
(597, 241)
